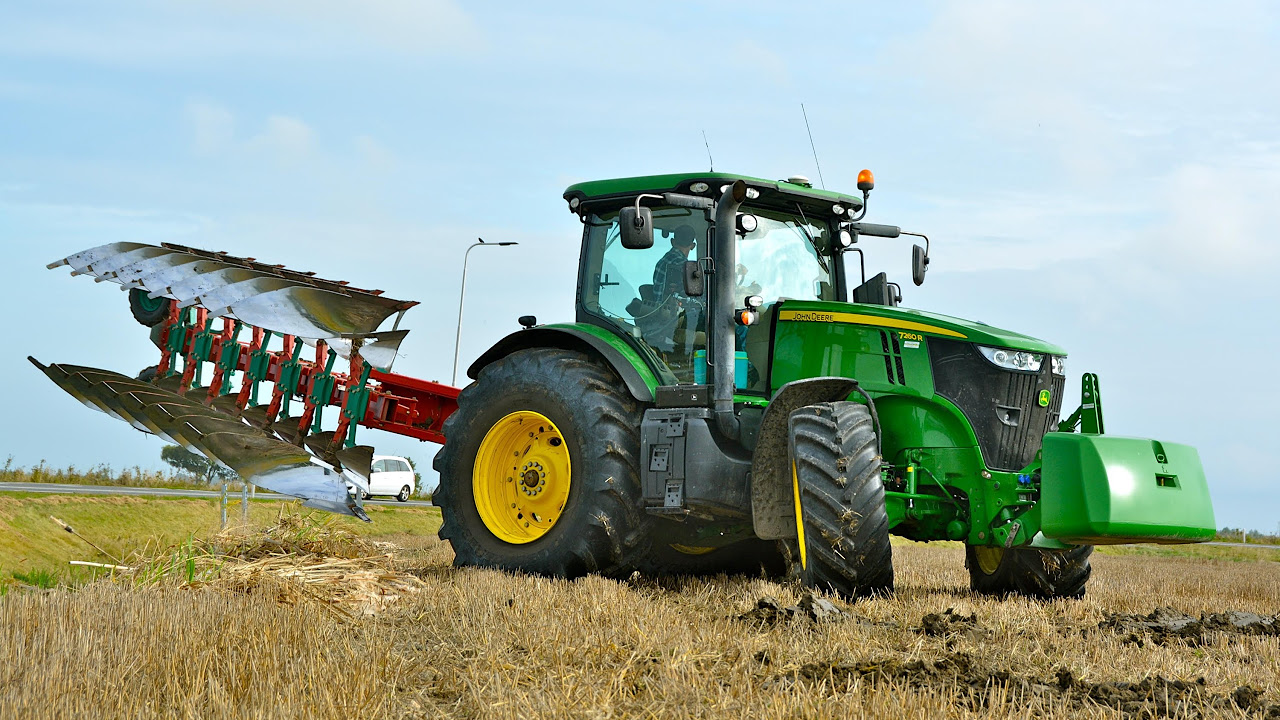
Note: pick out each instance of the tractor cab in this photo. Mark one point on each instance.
(791, 242)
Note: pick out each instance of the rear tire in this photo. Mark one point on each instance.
(1034, 572)
(404, 494)
(600, 526)
(842, 526)
(147, 310)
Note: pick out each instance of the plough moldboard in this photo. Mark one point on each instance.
(298, 326)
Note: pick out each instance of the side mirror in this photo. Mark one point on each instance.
(919, 264)
(636, 227)
(694, 280)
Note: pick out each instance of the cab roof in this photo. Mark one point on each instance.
(771, 190)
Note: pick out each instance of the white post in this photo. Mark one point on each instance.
(244, 502)
(462, 294)
(224, 505)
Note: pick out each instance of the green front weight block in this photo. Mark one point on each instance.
(1108, 490)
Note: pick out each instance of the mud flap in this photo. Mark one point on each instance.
(773, 512)
(1108, 490)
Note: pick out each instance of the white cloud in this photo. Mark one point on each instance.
(424, 26)
(143, 33)
(213, 126)
(373, 153)
(286, 137)
(282, 137)
(1101, 88)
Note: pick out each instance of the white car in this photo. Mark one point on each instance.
(391, 476)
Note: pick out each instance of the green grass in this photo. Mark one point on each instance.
(1200, 552)
(37, 578)
(33, 546)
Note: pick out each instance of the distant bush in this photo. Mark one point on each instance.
(102, 474)
(1230, 534)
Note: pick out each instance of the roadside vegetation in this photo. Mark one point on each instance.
(136, 476)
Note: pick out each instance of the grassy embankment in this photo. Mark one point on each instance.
(35, 550)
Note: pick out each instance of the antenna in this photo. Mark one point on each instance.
(709, 160)
(812, 147)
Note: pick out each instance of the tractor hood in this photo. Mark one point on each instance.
(913, 321)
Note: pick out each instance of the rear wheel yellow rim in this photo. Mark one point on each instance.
(988, 558)
(521, 477)
(691, 549)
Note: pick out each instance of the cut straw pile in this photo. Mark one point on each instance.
(298, 559)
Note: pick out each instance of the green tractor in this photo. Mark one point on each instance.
(736, 395)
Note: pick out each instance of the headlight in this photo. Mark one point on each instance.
(1059, 365)
(1012, 359)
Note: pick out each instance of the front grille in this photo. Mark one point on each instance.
(1001, 405)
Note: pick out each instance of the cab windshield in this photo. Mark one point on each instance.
(642, 294)
(779, 259)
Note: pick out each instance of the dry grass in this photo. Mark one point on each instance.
(476, 643)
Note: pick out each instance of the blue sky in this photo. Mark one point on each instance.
(1104, 177)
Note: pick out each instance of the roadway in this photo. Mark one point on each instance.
(165, 492)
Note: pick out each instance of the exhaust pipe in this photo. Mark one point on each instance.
(720, 324)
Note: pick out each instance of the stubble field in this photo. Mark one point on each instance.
(232, 640)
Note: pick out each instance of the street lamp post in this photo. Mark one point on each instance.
(462, 296)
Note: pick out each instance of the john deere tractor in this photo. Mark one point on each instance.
(737, 395)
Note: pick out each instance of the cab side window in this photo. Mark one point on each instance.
(641, 292)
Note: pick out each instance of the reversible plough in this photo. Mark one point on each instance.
(200, 304)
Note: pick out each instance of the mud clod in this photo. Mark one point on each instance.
(950, 623)
(1164, 624)
(770, 611)
(820, 609)
(811, 608)
(1150, 697)
(1245, 623)
(1247, 698)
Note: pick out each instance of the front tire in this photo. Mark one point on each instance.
(540, 471)
(841, 523)
(1034, 572)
